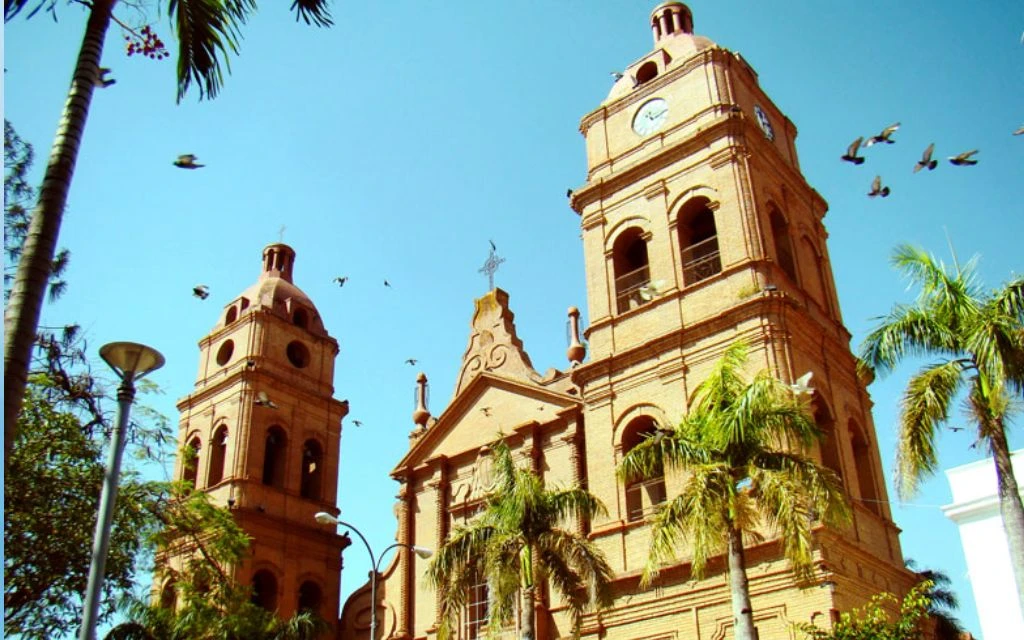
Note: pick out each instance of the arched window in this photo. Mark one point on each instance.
(169, 596)
(643, 494)
(300, 318)
(190, 464)
(648, 71)
(698, 241)
(813, 281)
(231, 315)
(865, 468)
(629, 261)
(264, 590)
(310, 597)
(218, 452)
(829, 443)
(312, 470)
(783, 244)
(274, 457)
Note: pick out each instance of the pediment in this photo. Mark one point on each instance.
(488, 405)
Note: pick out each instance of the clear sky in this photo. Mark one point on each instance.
(396, 144)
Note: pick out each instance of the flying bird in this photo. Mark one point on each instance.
(802, 386)
(617, 75)
(885, 136)
(493, 248)
(201, 291)
(387, 284)
(877, 189)
(851, 152)
(926, 159)
(964, 158)
(187, 161)
(651, 290)
(411, 361)
(264, 401)
(1019, 132)
(341, 280)
(357, 423)
(102, 80)
(486, 411)
(568, 193)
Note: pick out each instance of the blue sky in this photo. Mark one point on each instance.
(396, 144)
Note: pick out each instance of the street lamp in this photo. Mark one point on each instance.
(423, 552)
(130, 361)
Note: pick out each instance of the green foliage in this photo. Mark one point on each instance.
(51, 490)
(743, 447)
(875, 620)
(517, 542)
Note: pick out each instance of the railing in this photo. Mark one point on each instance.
(627, 288)
(701, 260)
(636, 506)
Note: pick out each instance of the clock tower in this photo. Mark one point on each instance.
(699, 229)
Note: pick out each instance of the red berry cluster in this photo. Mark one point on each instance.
(146, 43)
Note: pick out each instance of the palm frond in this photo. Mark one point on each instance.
(906, 331)
(925, 405)
(313, 12)
(208, 30)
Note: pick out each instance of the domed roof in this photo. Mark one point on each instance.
(275, 291)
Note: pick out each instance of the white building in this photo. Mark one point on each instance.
(975, 510)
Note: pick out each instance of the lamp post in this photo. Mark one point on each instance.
(130, 361)
(423, 552)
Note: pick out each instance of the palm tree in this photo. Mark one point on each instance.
(206, 32)
(942, 601)
(979, 340)
(517, 543)
(743, 447)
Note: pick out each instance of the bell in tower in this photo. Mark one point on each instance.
(265, 430)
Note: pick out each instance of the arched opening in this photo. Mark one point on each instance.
(231, 315)
(190, 462)
(227, 348)
(264, 590)
(310, 597)
(783, 244)
(312, 470)
(629, 261)
(297, 354)
(698, 241)
(829, 443)
(644, 494)
(812, 280)
(218, 453)
(862, 462)
(169, 596)
(274, 457)
(648, 71)
(300, 318)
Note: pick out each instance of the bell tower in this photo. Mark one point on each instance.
(266, 429)
(700, 229)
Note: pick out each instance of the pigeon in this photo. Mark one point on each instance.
(617, 75)
(486, 411)
(187, 161)
(201, 291)
(964, 158)
(651, 290)
(926, 159)
(885, 136)
(1019, 132)
(411, 361)
(387, 284)
(341, 280)
(102, 81)
(877, 189)
(264, 401)
(851, 152)
(357, 423)
(568, 193)
(802, 385)
(493, 247)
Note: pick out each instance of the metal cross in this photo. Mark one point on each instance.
(280, 234)
(490, 266)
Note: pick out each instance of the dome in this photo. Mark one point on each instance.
(276, 292)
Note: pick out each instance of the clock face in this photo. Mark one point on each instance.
(650, 117)
(762, 120)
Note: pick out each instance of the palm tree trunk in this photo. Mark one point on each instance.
(527, 616)
(1010, 506)
(742, 612)
(21, 317)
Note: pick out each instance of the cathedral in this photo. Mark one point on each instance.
(698, 230)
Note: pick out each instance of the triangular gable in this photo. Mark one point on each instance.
(489, 404)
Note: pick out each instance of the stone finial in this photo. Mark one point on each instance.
(421, 415)
(576, 350)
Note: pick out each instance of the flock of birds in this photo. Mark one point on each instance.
(926, 162)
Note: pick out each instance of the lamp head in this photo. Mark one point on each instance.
(325, 518)
(131, 360)
(422, 552)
